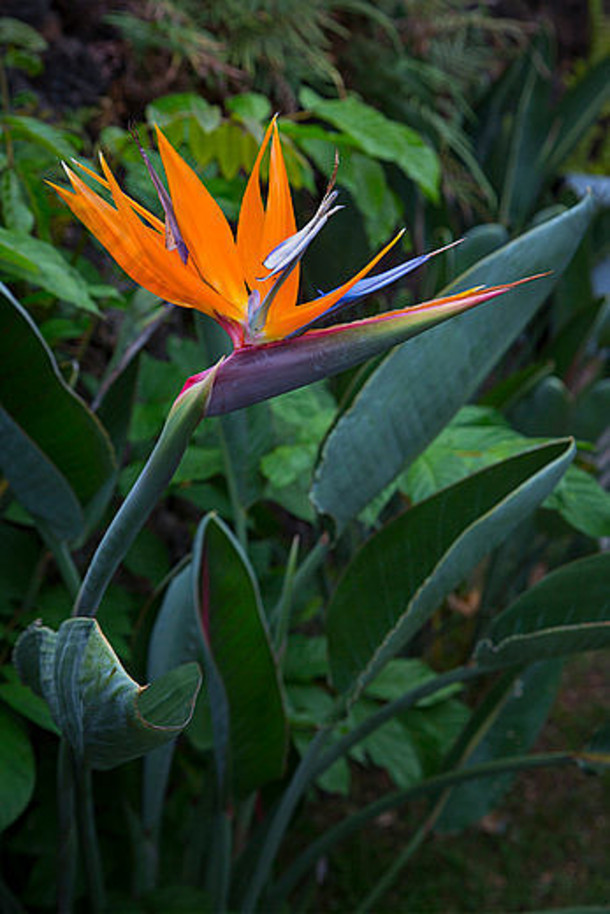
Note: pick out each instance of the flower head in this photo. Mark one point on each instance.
(249, 282)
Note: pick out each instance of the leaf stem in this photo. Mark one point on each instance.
(389, 710)
(346, 827)
(186, 413)
(68, 845)
(88, 839)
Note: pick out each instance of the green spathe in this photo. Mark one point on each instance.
(105, 715)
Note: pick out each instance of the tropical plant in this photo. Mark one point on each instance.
(289, 694)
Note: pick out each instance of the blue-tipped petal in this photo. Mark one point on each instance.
(292, 249)
(374, 283)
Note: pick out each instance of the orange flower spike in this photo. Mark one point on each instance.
(249, 285)
(279, 225)
(251, 221)
(205, 230)
(141, 210)
(165, 277)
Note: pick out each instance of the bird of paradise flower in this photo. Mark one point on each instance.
(249, 283)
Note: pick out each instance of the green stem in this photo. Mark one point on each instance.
(408, 700)
(63, 559)
(68, 844)
(390, 876)
(273, 838)
(240, 516)
(322, 845)
(88, 840)
(185, 415)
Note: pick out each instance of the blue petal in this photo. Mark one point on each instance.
(367, 286)
(374, 283)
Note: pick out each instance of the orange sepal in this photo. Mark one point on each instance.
(252, 221)
(204, 228)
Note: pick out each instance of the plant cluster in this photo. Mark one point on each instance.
(338, 548)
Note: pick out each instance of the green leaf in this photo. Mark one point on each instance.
(478, 437)
(15, 33)
(60, 143)
(577, 112)
(250, 106)
(42, 265)
(17, 215)
(567, 612)
(30, 63)
(183, 106)
(176, 638)
(37, 483)
(17, 767)
(401, 575)
(239, 647)
(523, 172)
(19, 553)
(105, 715)
(64, 436)
(583, 503)
(420, 385)
(379, 137)
(25, 702)
(507, 723)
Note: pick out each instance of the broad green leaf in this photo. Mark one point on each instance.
(506, 723)
(421, 384)
(176, 638)
(577, 112)
(478, 437)
(524, 167)
(17, 215)
(105, 715)
(379, 137)
(15, 33)
(239, 647)
(400, 576)
(60, 143)
(567, 612)
(478, 243)
(582, 502)
(250, 106)
(183, 105)
(42, 265)
(37, 483)
(19, 553)
(46, 410)
(27, 703)
(17, 767)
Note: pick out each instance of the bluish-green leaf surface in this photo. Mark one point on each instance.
(506, 724)
(104, 714)
(58, 455)
(478, 437)
(379, 137)
(17, 767)
(238, 649)
(400, 576)
(421, 384)
(567, 612)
